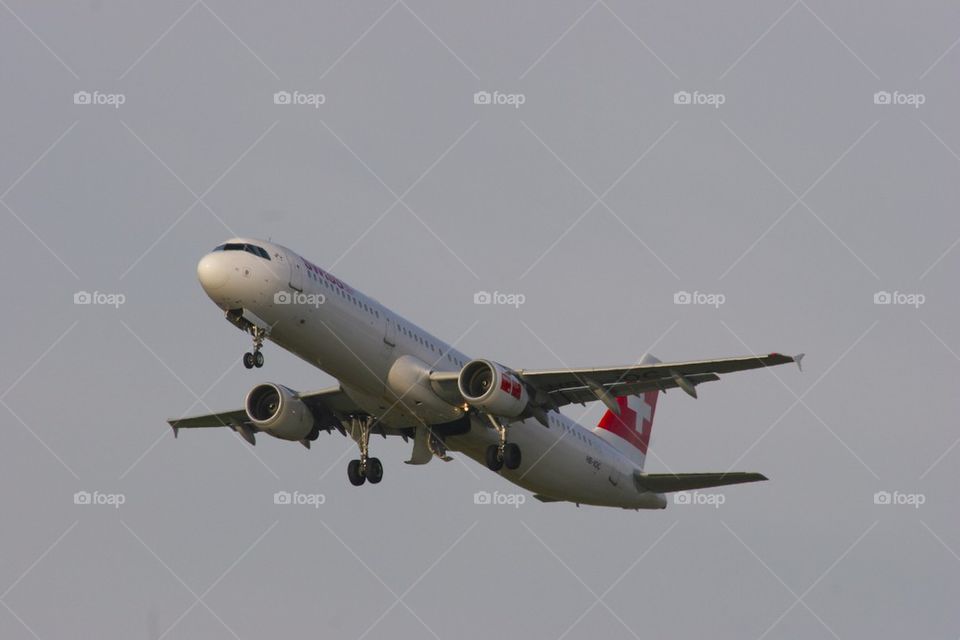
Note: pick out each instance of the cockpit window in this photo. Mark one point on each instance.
(260, 251)
(249, 248)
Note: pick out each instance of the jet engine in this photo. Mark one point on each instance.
(492, 388)
(279, 411)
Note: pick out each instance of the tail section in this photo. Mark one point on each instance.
(629, 432)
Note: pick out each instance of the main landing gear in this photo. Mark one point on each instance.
(366, 468)
(255, 359)
(505, 454)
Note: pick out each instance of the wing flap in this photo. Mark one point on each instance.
(585, 394)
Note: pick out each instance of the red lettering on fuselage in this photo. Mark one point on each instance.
(332, 279)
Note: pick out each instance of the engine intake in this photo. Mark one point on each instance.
(279, 412)
(492, 388)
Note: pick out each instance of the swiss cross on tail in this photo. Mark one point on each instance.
(635, 420)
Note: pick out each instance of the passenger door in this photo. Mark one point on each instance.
(296, 273)
(390, 335)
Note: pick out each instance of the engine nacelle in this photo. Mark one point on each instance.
(492, 388)
(409, 380)
(279, 412)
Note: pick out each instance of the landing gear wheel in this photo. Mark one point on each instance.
(248, 360)
(511, 455)
(374, 470)
(366, 468)
(494, 461)
(353, 472)
(257, 359)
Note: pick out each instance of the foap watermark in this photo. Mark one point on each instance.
(299, 98)
(299, 298)
(99, 298)
(514, 100)
(99, 98)
(511, 499)
(298, 498)
(699, 297)
(899, 298)
(899, 98)
(714, 500)
(498, 297)
(898, 498)
(98, 498)
(699, 98)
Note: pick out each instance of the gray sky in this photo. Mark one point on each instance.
(599, 198)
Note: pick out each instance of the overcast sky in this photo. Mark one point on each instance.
(792, 160)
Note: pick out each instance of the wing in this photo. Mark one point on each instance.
(558, 387)
(326, 405)
(566, 386)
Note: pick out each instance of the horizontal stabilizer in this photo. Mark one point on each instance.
(543, 498)
(669, 482)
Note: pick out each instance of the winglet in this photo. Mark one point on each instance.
(799, 360)
(175, 428)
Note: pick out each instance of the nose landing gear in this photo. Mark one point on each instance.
(255, 359)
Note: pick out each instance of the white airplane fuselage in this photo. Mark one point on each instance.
(319, 318)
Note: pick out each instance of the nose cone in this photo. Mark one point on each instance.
(213, 272)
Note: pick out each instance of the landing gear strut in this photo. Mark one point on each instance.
(255, 359)
(505, 454)
(366, 468)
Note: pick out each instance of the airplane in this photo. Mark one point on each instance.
(396, 379)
